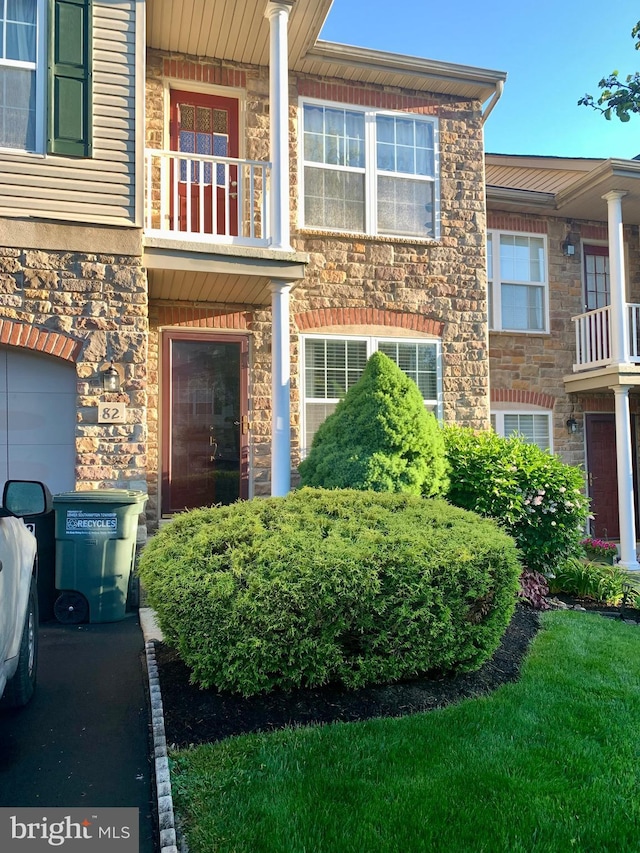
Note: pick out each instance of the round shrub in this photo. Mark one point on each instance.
(380, 437)
(536, 497)
(330, 586)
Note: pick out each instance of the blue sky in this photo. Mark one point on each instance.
(552, 52)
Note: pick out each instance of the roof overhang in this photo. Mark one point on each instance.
(202, 273)
(239, 32)
(329, 59)
(582, 197)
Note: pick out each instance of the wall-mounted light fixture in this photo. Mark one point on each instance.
(572, 425)
(569, 247)
(111, 379)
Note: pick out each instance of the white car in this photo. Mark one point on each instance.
(18, 591)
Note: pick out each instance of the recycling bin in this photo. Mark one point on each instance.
(95, 549)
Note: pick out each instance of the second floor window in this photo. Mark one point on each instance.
(20, 82)
(518, 285)
(369, 172)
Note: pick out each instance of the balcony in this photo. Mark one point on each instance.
(593, 338)
(203, 199)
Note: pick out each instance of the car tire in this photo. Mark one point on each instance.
(21, 686)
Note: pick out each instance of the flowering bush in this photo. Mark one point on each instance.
(600, 549)
(535, 496)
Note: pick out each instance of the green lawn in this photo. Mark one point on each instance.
(551, 763)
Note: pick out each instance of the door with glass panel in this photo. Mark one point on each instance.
(205, 420)
(204, 194)
(597, 293)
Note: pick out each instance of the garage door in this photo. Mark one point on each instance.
(37, 419)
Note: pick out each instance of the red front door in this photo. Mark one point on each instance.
(603, 473)
(204, 194)
(204, 420)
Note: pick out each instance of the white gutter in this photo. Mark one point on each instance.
(494, 100)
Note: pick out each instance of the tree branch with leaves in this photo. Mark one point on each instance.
(618, 98)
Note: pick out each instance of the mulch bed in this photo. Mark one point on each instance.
(195, 716)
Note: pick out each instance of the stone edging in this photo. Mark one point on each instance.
(166, 819)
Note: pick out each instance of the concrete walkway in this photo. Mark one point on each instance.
(84, 738)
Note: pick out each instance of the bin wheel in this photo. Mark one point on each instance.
(71, 608)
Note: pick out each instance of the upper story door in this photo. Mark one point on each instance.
(597, 291)
(207, 192)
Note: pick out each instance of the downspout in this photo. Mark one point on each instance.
(494, 100)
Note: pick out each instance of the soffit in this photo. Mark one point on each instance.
(567, 188)
(234, 30)
(237, 31)
(208, 287)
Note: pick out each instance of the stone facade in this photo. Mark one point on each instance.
(431, 288)
(88, 309)
(530, 368)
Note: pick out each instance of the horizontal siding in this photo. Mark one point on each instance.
(102, 188)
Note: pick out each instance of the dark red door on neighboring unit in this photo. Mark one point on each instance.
(603, 473)
(206, 125)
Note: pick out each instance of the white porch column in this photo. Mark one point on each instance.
(280, 390)
(278, 14)
(626, 503)
(619, 322)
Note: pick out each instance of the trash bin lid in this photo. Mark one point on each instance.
(127, 496)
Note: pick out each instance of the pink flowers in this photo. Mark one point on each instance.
(600, 547)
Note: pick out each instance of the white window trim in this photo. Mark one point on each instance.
(494, 282)
(371, 341)
(40, 68)
(499, 414)
(370, 169)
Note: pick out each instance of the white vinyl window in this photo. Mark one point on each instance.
(534, 428)
(332, 365)
(22, 73)
(518, 283)
(369, 172)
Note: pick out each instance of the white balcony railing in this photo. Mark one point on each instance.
(200, 198)
(593, 337)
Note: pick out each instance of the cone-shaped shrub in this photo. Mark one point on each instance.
(380, 437)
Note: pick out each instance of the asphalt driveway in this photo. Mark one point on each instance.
(84, 738)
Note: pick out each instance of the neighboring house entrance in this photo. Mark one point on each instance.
(37, 419)
(207, 192)
(205, 420)
(603, 473)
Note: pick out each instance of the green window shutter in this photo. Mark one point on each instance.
(70, 78)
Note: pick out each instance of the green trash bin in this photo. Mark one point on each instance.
(95, 549)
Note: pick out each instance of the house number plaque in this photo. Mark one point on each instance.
(112, 413)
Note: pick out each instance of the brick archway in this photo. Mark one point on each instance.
(324, 317)
(25, 335)
(531, 398)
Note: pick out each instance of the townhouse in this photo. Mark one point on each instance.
(208, 222)
(564, 318)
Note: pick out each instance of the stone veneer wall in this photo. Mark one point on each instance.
(442, 282)
(87, 309)
(524, 367)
